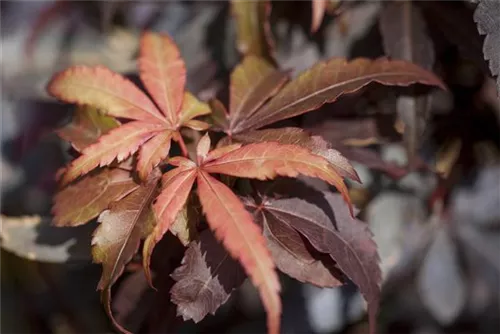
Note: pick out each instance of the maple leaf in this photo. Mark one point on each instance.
(205, 279)
(252, 26)
(116, 240)
(226, 214)
(405, 37)
(151, 129)
(322, 219)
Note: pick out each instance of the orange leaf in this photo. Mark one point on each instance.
(163, 72)
(118, 144)
(326, 81)
(191, 108)
(252, 83)
(318, 11)
(177, 185)
(153, 152)
(243, 239)
(266, 160)
(105, 90)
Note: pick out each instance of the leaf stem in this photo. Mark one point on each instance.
(182, 144)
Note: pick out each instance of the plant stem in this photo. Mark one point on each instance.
(183, 147)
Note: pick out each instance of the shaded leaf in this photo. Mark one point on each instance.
(404, 37)
(118, 144)
(252, 25)
(233, 225)
(253, 82)
(185, 224)
(487, 17)
(87, 126)
(326, 81)
(87, 198)
(324, 221)
(191, 108)
(293, 254)
(268, 159)
(105, 90)
(206, 278)
(121, 228)
(163, 72)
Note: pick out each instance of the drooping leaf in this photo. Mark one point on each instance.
(154, 151)
(118, 144)
(326, 81)
(176, 186)
(404, 37)
(293, 254)
(163, 72)
(105, 90)
(318, 11)
(252, 83)
(253, 30)
(324, 221)
(487, 17)
(87, 126)
(121, 228)
(87, 198)
(206, 278)
(243, 239)
(266, 160)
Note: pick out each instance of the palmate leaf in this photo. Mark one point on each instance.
(253, 30)
(116, 96)
(205, 279)
(321, 217)
(226, 214)
(488, 23)
(405, 37)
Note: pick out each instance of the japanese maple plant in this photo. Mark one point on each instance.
(138, 198)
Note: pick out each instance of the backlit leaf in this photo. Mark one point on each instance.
(205, 279)
(191, 108)
(88, 197)
(176, 186)
(487, 17)
(253, 81)
(318, 11)
(269, 159)
(242, 238)
(326, 81)
(252, 25)
(118, 144)
(105, 90)
(154, 151)
(87, 126)
(163, 72)
(122, 227)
